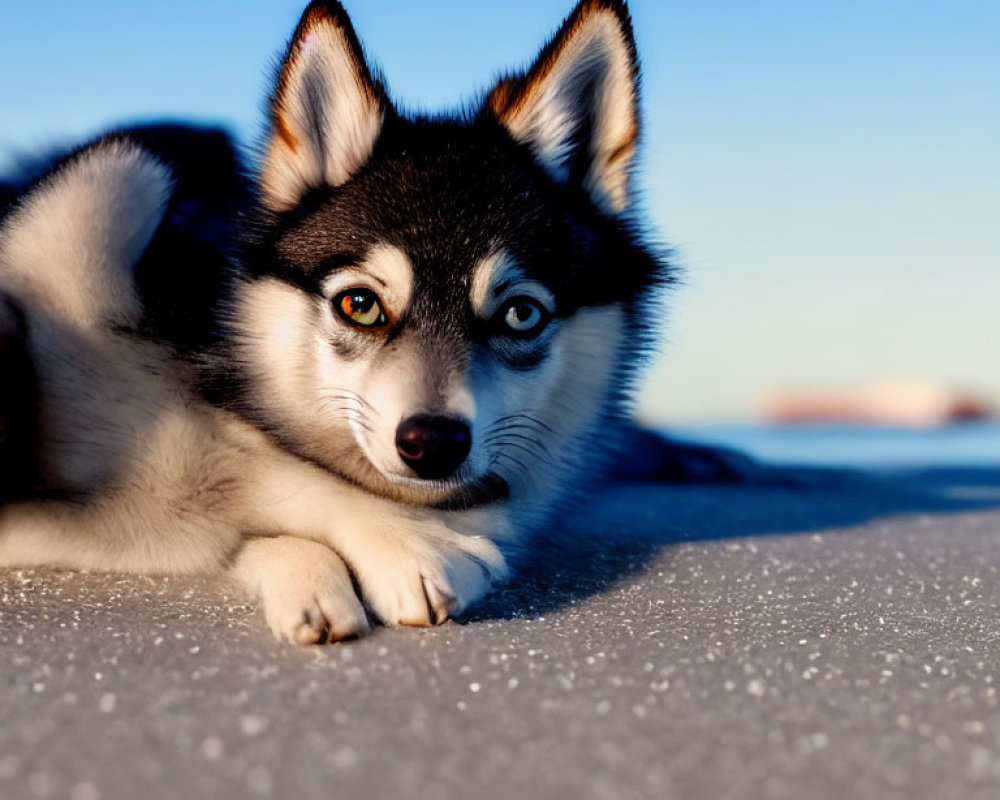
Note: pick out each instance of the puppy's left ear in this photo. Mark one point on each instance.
(577, 107)
(327, 110)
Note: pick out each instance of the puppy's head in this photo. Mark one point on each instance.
(442, 309)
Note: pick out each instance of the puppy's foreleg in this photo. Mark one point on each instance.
(304, 587)
(413, 566)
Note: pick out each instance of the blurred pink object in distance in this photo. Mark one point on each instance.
(909, 404)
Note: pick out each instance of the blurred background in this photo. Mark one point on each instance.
(828, 174)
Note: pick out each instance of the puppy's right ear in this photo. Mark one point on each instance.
(326, 112)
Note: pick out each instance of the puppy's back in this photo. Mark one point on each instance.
(67, 249)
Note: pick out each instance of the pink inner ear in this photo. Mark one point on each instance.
(308, 41)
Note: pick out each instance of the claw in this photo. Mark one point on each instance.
(441, 604)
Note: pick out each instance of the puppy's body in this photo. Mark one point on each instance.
(153, 479)
(430, 333)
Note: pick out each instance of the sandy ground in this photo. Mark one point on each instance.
(839, 639)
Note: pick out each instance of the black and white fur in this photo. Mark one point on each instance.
(500, 246)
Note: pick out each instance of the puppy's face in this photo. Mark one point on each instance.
(432, 310)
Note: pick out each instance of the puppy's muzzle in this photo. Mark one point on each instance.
(433, 447)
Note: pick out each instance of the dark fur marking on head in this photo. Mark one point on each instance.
(445, 192)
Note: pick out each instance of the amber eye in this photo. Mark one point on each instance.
(522, 317)
(361, 307)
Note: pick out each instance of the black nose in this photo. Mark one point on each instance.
(433, 447)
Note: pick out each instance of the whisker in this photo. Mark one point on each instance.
(514, 462)
(346, 394)
(526, 418)
(500, 437)
(544, 457)
(350, 412)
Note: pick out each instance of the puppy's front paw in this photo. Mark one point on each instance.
(315, 607)
(305, 589)
(424, 581)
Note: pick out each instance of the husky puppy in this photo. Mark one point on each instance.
(428, 341)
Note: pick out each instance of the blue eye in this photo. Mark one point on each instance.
(522, 316)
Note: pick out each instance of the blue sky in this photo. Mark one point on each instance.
(829, 173)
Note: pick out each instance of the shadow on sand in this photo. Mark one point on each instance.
(627, 524)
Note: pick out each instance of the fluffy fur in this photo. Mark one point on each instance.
(468, 289)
